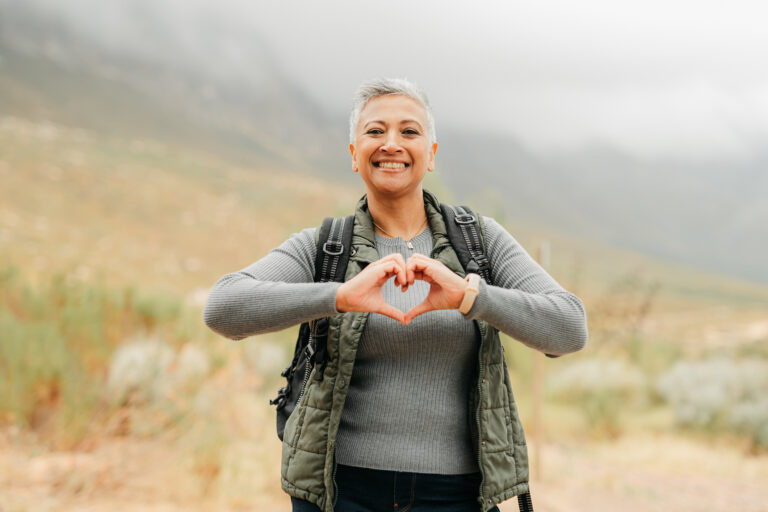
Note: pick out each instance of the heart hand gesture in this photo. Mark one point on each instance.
(363, 292)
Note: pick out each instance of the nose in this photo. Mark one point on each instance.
(390, 144)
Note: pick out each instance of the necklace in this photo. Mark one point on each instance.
(407, 242)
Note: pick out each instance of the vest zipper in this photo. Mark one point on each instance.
(303, 384)
(481, 377)
(333, 478)
(479, 404)
(307, 370)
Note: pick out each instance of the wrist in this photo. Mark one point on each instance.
(340, 303)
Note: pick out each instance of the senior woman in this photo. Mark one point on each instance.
(414, 411)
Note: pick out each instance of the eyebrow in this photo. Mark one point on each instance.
(404, 121)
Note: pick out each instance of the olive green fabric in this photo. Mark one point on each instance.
(310, 434)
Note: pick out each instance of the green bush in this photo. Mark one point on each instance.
(56, 341)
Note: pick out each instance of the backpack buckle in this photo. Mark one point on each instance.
(333, 248)
(464, 218)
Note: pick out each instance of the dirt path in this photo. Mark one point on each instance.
(634, 474)
(650, 474)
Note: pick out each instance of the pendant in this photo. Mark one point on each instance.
(409, 244)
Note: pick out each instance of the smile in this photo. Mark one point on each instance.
(391, 165)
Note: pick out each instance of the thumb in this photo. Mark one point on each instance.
(417, 310)
(392, 312)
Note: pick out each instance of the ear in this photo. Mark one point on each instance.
(431, 164)
(354, 162)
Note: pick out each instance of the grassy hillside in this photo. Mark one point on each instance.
(127, 210)
(110, 244)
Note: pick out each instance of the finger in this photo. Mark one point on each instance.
(416, 265)
(401, 275)
(421, 276)
(399, 262)
(395, 256)
(416, 262)
(432, 271)
(387, 269)
(421, 258)
(417, 310)
(392, 312)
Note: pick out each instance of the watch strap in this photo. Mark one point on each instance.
(470, 293)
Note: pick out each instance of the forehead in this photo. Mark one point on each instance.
(393, 108)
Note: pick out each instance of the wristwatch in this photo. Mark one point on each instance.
(470, 293)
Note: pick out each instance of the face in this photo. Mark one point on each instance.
(392, 151)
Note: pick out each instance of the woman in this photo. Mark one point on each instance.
(414, 410)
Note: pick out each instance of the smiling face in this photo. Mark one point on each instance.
(392, 151)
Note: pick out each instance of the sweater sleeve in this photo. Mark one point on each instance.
(525, 302)
(274, 293)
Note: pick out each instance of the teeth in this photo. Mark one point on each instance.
(392, 165)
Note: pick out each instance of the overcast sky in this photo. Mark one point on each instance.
(687, 79)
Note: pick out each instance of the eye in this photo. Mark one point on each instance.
(375, 131)
(410, 131)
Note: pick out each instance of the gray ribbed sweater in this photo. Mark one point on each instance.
(406, 408)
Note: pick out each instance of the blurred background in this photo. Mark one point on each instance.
(149, 147)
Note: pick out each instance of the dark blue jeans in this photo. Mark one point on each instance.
(373, 490)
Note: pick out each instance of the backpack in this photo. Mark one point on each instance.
(333, 243)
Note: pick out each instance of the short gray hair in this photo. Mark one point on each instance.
(383, 87)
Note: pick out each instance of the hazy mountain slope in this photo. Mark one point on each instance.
(704, 215)
(52, 71)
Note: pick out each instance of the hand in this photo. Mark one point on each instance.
(363, 294)
(446, 288)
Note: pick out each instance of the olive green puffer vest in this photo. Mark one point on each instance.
(309, 441)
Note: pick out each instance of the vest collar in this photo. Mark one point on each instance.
(364, 237)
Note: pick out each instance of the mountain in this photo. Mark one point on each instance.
(710, 215)
(226, 94)
(53, 70)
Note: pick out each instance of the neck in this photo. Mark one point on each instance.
(399, 216)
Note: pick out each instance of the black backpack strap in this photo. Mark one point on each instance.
(333, 247)
(464, 232)
(334, 242)
(524, 502)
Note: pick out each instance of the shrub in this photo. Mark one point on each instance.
(751, 419)
(601, 389)
(139, 371)
(719, 395)
(56, 343)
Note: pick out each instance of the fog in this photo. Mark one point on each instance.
(655, 79)
(644, 126)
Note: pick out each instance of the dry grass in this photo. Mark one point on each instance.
(135, 211)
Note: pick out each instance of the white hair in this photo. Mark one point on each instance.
(383, 87)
